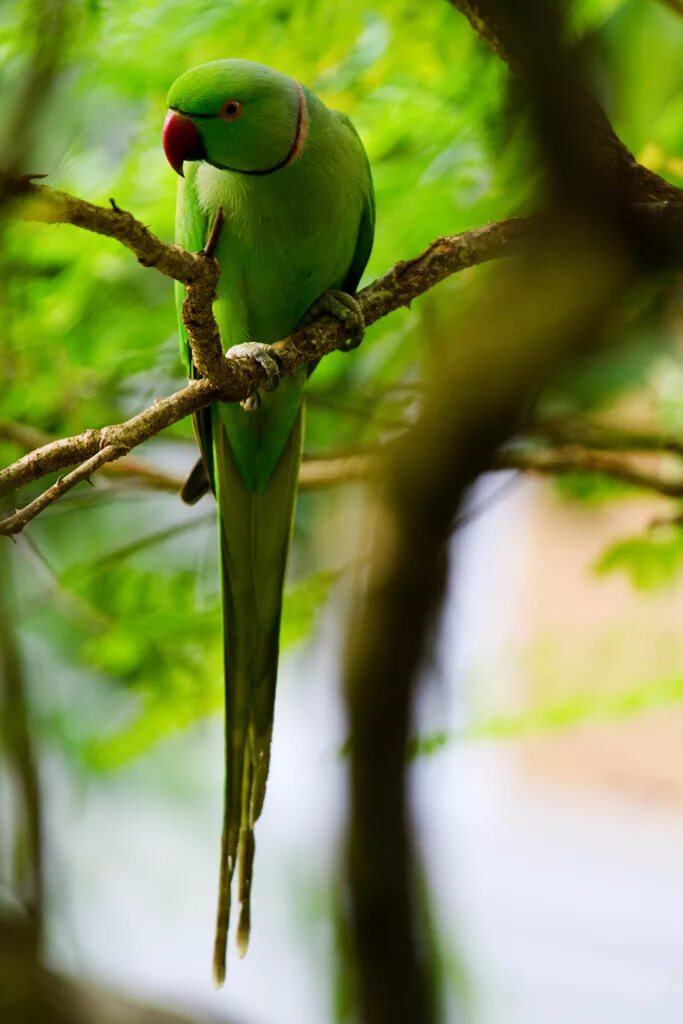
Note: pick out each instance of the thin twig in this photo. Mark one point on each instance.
(129, 467)
(576, 447)
(15, 523)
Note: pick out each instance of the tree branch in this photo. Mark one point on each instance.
(498, 25)
(605, 436)
(573, 459)
(15, 523)
(117, 439)
(569, 446)
(22, 762)
(550, 307)
(240, 377)
(128, 467)
(50, 206)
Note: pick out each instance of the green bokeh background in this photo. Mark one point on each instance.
(114, 589)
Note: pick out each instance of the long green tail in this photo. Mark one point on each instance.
(255, 527)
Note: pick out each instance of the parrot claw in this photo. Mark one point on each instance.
(266, 358)
(342, 307)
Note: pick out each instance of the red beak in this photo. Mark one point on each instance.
(181, 141)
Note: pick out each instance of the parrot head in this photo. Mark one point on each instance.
(237, 115)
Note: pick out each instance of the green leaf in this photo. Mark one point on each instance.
(652, 560)
(574, 710)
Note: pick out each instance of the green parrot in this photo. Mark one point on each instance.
(294, 184)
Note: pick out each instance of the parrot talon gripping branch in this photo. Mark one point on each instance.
(261, 354)
(346, 309)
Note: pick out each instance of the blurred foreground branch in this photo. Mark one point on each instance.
(30, 993)
(534, 56)
(539, 314)
(527, 333)
(19, 758)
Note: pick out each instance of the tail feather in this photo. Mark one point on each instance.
(246, 867)
(255, 528)
(220, 945)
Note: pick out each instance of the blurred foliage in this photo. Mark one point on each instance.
(591, 488)
(120, 586)
(117, 589)
(89, 337)
(610, 676)
(651, 561)
(573, 710)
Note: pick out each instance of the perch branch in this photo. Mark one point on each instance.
(128, 467)
(573, 450)
(242, 377)
(315, 473)
(50, 206)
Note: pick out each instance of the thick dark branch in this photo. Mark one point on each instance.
(548, 307)
(674, 5)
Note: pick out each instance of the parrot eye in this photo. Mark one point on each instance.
(230, 110)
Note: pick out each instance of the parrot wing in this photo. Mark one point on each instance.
(191, 232)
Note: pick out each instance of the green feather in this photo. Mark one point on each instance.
(255, 527)
(287, 237)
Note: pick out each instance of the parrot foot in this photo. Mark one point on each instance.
(266, 358)
(342, 307)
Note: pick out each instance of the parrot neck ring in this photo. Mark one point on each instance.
(181, 141)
